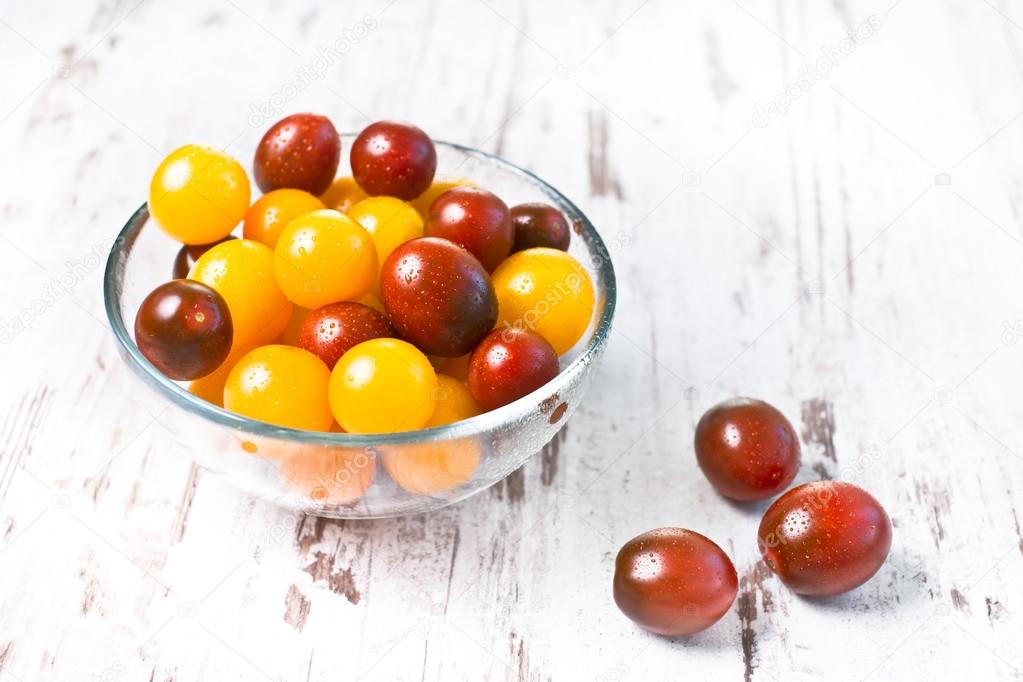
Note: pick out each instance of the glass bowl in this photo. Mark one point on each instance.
(354, 476)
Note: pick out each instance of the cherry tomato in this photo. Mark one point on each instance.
(267, 218)
(825, 538)
(509, 364)
(324, 256)
(300, 151)
(539, 224)
(342, 194)
(456, 368)
(188, 254)
(747, 449)
(393, 159)
(548, 291)
(184, 328)
(435, 467)
(289, 337)
(242, 271)
(391, 222)
(328, 475)
(673, 581)
(432, 468)
(438, 296)
(452, 402)
(211, 387)
(331, 330)
(476, 220)
(382, 386)
(280, 385)
(372, 299)
(423, 202)
(198, 194)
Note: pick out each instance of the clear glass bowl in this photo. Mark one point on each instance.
(364, 476)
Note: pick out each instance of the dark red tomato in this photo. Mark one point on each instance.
(538, 224)
(825, 538)
(184, 328)
(438, 296)
(476, 220)
(189, 254)
(393, 159)
(673, 581)
(301, 151)
(747, 449)
(329, 331)
(508, 364)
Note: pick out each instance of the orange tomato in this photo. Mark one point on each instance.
(242, 271)
(342, 194)
(323, 257)
(280, 385)
(267, 218)
(382, 386)
(329, 475)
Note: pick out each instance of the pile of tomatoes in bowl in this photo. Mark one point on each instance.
(381, 302)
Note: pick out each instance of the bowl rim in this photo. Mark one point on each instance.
(180, 397)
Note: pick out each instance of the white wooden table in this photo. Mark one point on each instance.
(852, 254)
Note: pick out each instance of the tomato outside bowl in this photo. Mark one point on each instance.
(354, 476)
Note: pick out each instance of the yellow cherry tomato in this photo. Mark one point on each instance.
(373, 301)
(198, 194)
(457, 368)
(242, 271)
(289, 336)
(342, 194)
(323, 257)
(280, 385)
(435, 467)
(211, 387)
(391, 222)
(423, 201)
(431, 468)
(545, 290)
(267, 218)
(452, 402)
(329, 475)
(382, 386)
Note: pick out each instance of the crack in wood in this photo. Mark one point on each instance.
(296, 608)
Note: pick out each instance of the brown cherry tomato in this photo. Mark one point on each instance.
(825, 538)
(476, 220)
(393, 159)
(329, 331)
(509, 364)
(673, 581)
(438, 296)
(747, 449)
(184, 328)
(539, 224)
(300, 151)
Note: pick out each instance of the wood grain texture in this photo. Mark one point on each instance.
(852, 255)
